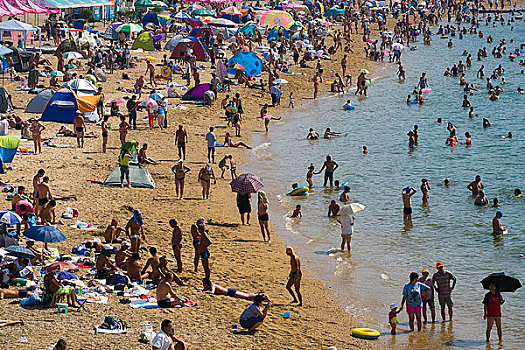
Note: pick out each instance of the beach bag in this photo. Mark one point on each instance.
(117, 279)
(30, 301)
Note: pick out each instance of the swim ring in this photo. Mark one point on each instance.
(165, 72)
(231, 109)
(444, 37)
(299, 191)
(349, 107)
(413, 102)
(343, 185)
(426, 90)
(365, 333)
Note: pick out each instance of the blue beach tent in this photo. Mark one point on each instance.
(251, 62)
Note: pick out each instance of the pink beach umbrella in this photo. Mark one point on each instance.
(10, 8)
(118, 100)
(151, 103)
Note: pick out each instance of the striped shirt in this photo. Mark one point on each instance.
(443, 282)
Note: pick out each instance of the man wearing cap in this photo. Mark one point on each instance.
(113, 231)
(80, 127)
(407, 194)
(497, 227)
(427, 296)
(441, 281)
(123, 253)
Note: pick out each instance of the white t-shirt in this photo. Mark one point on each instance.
(162, 341)
(211, 138)
(4, 127)
(347, 225)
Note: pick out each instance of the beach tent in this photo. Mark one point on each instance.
(64, 103)
(144, 41)
(334, 12)
(15, 26)
(20, 59)
(156, 19)
(196, 93)
(250, 61)
(111, 33)
(248, 29)
(8, 148)
(200, 31)
(6, 105)
(82, 87)
(138, 177)
(39, 102)
(272, 35)
(67, 45)
(172, 43)
(198, 49)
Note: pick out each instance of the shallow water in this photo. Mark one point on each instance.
(451, 229)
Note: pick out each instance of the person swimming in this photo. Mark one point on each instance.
(517, 193)
(312, 135)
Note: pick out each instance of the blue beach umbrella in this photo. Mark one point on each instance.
(9, 217)
(180, 15)
(156, 96)
(45, 233)
(57, 73)
(20, 252)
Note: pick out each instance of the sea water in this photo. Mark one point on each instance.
(450, 229)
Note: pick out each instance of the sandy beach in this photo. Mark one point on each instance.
(239, 258)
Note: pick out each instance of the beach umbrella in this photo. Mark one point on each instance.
(70, 66)
(152, 104)
(159, 4)
(232, 11)
(503, 282)
(72, 54)
(365, 71)
(295, 26)
(60, 266)
(4, 50)
(144, 3)
(45, 233)
(6, 241)
(280, 81)
(222, 22)
(156, 96)
(201, 12)
(129, 28)
(247, 183)
(20, 252)
(9, 217)
(351, 209)
(180, 15)
(150, 58)
(57, 73)
(117, 101)
(274, 18)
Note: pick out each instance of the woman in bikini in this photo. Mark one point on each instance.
(229, 142)
(180, 171)
(205, 176)
(105, 129)
(36, 131)
(134, 230)
(123, 128)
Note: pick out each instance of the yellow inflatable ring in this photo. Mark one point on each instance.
(165, 72)
(299, 191)
(365, 333)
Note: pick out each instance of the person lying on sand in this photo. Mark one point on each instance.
(229, 142)
(14, 294)
(5, 323)
(213, 288)
(166, 296)
(67, 132)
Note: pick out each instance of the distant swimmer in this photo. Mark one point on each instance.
(509, 135)
(297, 212)
(407, 194)
(447, 183)
(520, 90)
(481, 199)
(497, 227)
(466, 102)
(495, 203)
(333, 209)
(365, 149)
(328, 134)
(476, 186)
(486, 123)
(312, 135)
(517, 193)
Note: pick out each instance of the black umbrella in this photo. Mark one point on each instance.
(6, 241)
(20, 252)
(503, 282)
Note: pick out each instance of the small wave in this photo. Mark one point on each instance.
(261, 147)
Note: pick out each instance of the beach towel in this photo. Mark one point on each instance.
(96, 298)
(151, 303)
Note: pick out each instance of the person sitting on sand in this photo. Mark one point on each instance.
(143, 158)
(113, 232)
(160, 271)
(213, 288)
(152, 262)
(229, 142)
(47, 214)
(166, 296)
(123, 254)
(133, 268)
(252, 317)
(104, 265)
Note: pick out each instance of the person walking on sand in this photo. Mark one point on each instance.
(412, 297)
(425, 188)
(244, 206)
(204, 177)
(151, 69)
(441, 281)
(492, 311)
(407, 194)
(176, 243)
(211, 140)
(180, 170)
(294, 278)
(262, 212)
(316, 85)
(105, 133)
(428, 296)
(181, 137)
(204, 253)
(80, 127)
(330, 165)
(123, 128)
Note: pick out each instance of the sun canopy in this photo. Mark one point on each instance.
(13, 25)
(68, 4)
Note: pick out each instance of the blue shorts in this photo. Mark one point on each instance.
(329, 174)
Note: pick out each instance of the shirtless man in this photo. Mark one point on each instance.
(80, 127)
(181, 137)
(143, 157)
(134, 230)
(330, 165)
(166, 296)
(139, 84)
(176, 239)
(407, 194)
(153, 262)
(312, 135)
(476, 186)
(215, 289)
(497, 227)
(112, 232)
(204, 253)
(328, 133)
(425, 188)
(14, 294)
(122, 254)
(160, 271)
(36, 180)
(104, 266)
(47, 214)
(196, 237)
(42, 194)
(133, 268)
(333, 209)
(151, 69)
(294, 278)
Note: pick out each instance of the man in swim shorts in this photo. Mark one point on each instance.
(476, 186)
(329, 166)
(213, 288)
(204, 253)
(176, 239)
(14, 294)
(166, 296)
(181, 137)
(80, 127)
(407, 194)
(294, 278)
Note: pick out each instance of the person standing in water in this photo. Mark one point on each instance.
(262, 213)
(330, 165)
(407, 194)
(309, 176)
(294, 278)
(497, 226)
(492, 311)
(425, 188)
(476, 186)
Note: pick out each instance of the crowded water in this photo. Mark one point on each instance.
(451, 229)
